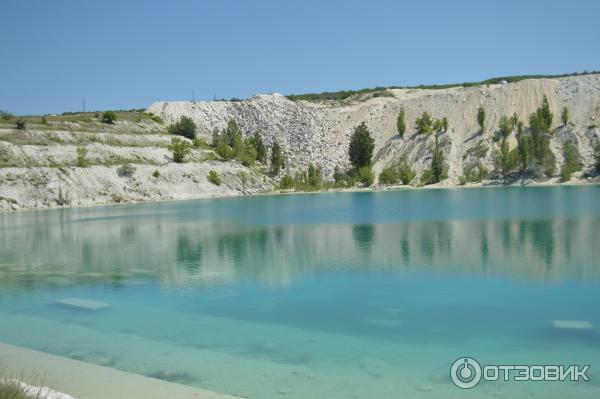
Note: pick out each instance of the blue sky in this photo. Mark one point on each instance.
(127, 54)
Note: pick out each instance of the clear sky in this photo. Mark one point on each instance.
(127, 54)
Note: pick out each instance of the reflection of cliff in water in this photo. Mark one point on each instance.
(62, 249)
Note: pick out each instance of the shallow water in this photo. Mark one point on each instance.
(336, 295)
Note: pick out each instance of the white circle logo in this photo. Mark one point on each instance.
(465, 372)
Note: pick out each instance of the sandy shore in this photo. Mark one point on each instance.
(88, 381)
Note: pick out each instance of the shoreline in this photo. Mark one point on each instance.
(89, 381)
(554, 182)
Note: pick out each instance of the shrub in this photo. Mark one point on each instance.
(225, 151)
(183, 127)
(361, 146)
(406, 173)
(248, 155)
(126, 170)
(427, 177)
(156, 173)
(82, 162)
(157, 119)
(365, 175)
(478, 151)
(20, 124)
(109, 117)
(342, 179)
(44, 121)
(5, 115)
(474, 172)
(200, 143)
(424, 124)
(389, 176)
(180, 148)
(214, 178)
(286, 182)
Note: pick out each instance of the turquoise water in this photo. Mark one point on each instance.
(334, 295)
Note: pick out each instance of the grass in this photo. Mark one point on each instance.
(11, 388)
(93, 120)
(344, 94)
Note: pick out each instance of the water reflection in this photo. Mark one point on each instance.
(216, 251)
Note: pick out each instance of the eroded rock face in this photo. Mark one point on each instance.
(38, 165)
(319, 132)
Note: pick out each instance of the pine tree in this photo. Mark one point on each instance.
(400, 124)
(361, 146)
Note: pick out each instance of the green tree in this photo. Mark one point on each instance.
(438, 168)
(82, 161)
(361, 146)
(424, 124)
(508, 125)
(238, 147)
(406, 173)
(481, 119)
(214, 177)
(217, 137)
(109, 117)
(20, 124)
(597, 156)
(277, 159)
(243, 179)
(504, 161)
(232, 133)
(541, 120)
(564, 117)
(259, 145)
(571, 162)
(185, 127)
(389, 176)
(400, 123)
(314, 176)
(524, 150)
(445, 124)
(180, 148)
(248, 156)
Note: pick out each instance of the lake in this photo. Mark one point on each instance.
(329, 295)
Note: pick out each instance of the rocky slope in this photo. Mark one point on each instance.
(319, 132)
(38, 167)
